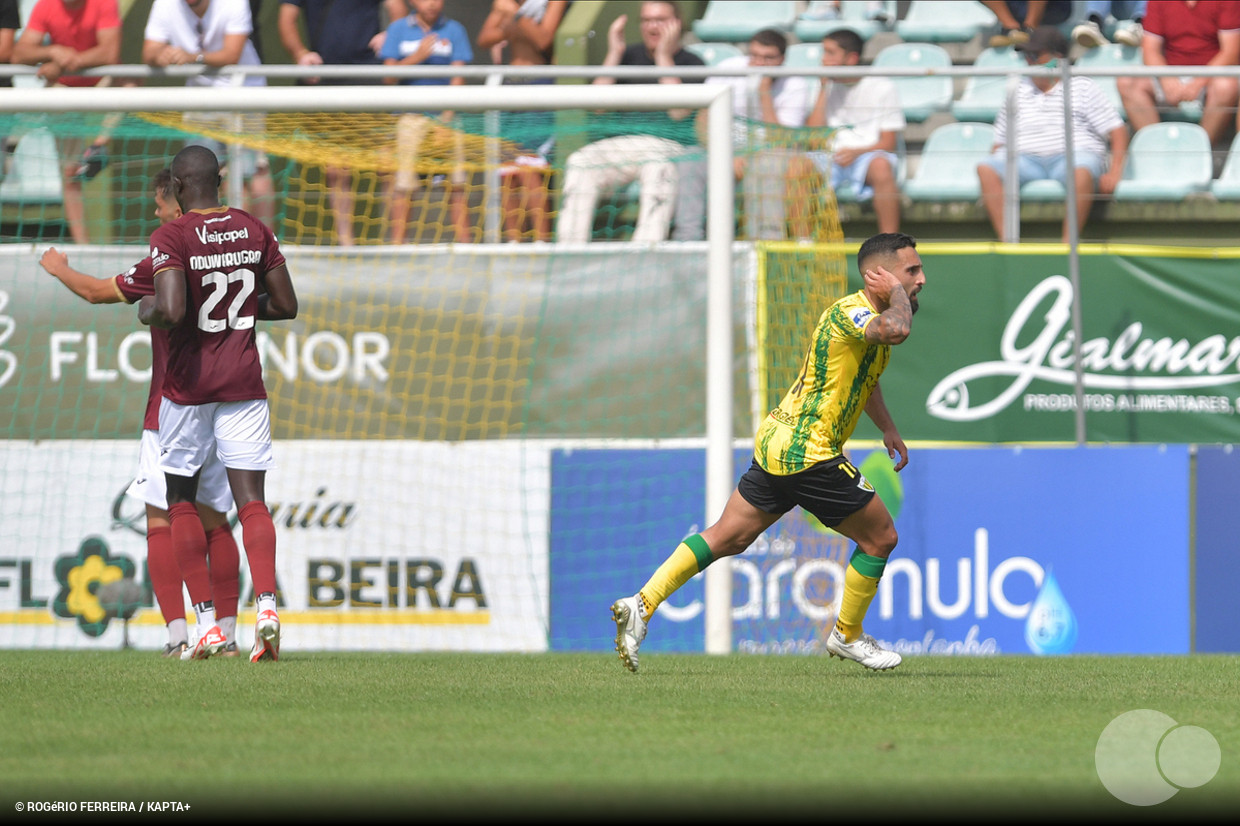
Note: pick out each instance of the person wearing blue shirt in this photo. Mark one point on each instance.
(426, 37)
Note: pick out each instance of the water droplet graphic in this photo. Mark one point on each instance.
(1051, 626)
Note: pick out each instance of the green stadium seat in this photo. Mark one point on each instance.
(735, 21)
(34, 173)
(1166, 162)
(1105, 57)
(854, 14)
(945, 21)
(984, 96)
(947, 170)
(1227, 186)
(920, 95)
(713, 53)
(1045, 190)
(804, 54)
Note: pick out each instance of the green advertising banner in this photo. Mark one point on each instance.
(608, 340)
(992, 356)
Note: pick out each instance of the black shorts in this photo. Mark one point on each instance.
(831, 490)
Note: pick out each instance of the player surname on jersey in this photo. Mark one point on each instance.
(224, 259)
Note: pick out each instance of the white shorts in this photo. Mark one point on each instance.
(238, 433)
(151, 485)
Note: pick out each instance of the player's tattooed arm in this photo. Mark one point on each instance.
(893, 324)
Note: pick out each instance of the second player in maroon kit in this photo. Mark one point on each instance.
(218, 271)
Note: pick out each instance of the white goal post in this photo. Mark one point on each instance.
(716, 99)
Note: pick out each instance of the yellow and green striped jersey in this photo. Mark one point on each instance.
(820, 411)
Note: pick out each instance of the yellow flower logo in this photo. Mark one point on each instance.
(80, 577)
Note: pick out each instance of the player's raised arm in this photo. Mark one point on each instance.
(279, 303)
(95, 290)
(894, 323)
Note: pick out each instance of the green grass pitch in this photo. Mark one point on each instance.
(336, 736)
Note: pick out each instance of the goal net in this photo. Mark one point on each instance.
(479, 444)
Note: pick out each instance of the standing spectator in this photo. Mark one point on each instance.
(340, 33)
(866, 116)
(1018, 18)
(63, 37)
(769, 186)
(426, 38)
(1127, 16)
(1041, 141)
(214, 33)
(214, 401)
(1187, 33)
(651, 157)
(527, 29)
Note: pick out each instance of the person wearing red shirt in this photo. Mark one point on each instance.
(1187, 33)
(218, 270)
(79, 34)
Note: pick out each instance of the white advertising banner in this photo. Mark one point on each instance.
(381, 546)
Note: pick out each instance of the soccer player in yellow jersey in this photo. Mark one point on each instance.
(798, 456)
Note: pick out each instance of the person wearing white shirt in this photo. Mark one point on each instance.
(759, 161)
(213, 33)
(867, 120)
(1041, 140)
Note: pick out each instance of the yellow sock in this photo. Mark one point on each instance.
(690, 557)
(860, 585)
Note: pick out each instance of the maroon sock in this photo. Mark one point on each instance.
(225, 565)
(189, 541)
(258, 534)
(161, 566)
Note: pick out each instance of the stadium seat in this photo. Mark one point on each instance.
(1045, 190)
(854, 14)
(1227, 186)
(34, 174)
(983, 96)
(804, 54)
(947, 170)
(1105, 57)
(736, 22)
(1166, 162)
(920, 96)
(713, 53)
(945, 21)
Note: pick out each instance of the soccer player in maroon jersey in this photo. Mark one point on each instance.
(217, 271)
(214, 497)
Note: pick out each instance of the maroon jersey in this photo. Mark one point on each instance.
(225, 254)
(137, 281)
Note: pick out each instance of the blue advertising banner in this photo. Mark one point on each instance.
(1217, 570)
(1002, 550)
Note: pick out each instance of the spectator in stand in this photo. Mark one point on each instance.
(866, 116)
(426, 38)
(349, 34)
(762, 157)
(650, 157)
(1127, 16)
(526, 28)
(214, 33)
(1018, 18)
(1187, 33)
(1041, 142)
(63, 37)
(10, 22)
